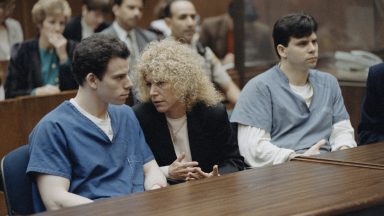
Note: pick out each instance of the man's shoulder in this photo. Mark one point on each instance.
(60, 115)
(109, 31)
(148, 35)
(266, 77)
(76, 20)
(377, 70)
(121, 110)
(321, 76)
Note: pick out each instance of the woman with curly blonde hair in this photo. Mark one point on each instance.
(183, 120)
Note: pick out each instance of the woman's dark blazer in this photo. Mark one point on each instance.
(24, 70)
(211, 138)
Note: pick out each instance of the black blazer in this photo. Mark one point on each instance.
(24, 70)
(73, 29)
(371, 127)
(211, 138)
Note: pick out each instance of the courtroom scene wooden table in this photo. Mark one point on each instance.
(371, 153)
(293, 188)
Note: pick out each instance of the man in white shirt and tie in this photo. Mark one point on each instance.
(127, 15)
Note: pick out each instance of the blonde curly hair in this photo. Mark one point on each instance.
(180, 66)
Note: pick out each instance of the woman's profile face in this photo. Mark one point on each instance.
(164, 99)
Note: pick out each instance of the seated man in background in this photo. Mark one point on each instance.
(292, 109)
(90, 21)
(181, 17)
(183, 120)
(42, 65)
(217, 33)
(92, 146)
(10, 34)
(371, 127)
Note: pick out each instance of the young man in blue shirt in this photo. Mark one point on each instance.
(292, 109)
(92, 146)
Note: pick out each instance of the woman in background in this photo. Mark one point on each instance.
(42, 65)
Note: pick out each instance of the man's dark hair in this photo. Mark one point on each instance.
(98, 5)
(93, 53)
(293, 25)
(167, 8)
(119, 2)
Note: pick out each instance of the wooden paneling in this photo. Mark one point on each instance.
(19, 116)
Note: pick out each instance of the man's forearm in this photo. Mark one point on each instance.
(154, 177)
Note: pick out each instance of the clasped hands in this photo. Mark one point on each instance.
(180, 170)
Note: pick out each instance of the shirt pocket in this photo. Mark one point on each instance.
(136, 166)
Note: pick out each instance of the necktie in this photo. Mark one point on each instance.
(132, 50)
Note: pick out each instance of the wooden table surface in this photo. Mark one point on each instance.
(293, 188)
(372, 153)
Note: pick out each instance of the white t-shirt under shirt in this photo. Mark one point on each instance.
(268, 153)
(179, 134)
(103, 124)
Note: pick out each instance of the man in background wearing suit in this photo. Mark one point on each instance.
(127, 15)
(371, 128)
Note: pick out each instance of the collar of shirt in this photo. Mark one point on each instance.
(86, 30)
(122, 33)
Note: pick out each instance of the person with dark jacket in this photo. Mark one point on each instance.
(183, 121)
(42, 65)
(371, 127)
(91, 20)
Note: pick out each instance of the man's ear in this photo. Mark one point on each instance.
(168, 21)
(92, 80)
(281, 50)
(115, 9)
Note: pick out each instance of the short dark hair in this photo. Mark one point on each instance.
(98, 5)
(167, 8)
(93, 54)
(296, 25)
(119, 2)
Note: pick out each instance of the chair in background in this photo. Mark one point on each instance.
(18, 191)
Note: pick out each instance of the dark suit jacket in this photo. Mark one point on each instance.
(143, 37)
(371, 127)
(211, 138)
(258, 38)
(73, 29)
(24, 70)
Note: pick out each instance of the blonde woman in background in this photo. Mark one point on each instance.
(42, 65)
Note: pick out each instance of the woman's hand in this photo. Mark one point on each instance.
(201, 174)
(179, 170)
(59, 42)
